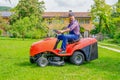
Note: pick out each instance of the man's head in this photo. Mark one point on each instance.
(71, 16)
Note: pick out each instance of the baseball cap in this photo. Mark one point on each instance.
(71, 14)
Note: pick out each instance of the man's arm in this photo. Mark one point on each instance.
(63, 31)
(69, 29)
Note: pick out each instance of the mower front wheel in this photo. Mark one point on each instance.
(42, 61)
(77, 58)
(32, 60)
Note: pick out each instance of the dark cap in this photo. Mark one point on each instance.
(71, 14)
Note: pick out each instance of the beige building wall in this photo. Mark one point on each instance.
(59, 23)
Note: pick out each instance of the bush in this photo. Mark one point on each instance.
(96, 30)
(15, 35)
(0, 32)
(29, 34)
(25, 28)
(35, 34)
(82, 30)
(117, 37)
(38, 34)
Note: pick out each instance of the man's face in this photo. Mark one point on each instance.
(71, 18)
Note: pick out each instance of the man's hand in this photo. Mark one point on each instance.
(60, 31)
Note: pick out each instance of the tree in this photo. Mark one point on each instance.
(26, 8)
(27, 17)
(116, 20)
(101, 14)
(116, 13)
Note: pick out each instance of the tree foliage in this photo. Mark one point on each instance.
(106, 19)
(116, 13)
(116, 20)
(101, 14)
(27, 18)
(26, 28)
(26, 8)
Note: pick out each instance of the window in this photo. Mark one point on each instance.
(58, 21)
(87, 21)
(82, 21)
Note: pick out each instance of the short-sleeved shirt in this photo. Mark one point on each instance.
(74, 27)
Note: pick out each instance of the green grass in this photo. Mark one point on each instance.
(110, 41)
(110, 45)
(15, 65)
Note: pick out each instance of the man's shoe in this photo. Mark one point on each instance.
(62, 52)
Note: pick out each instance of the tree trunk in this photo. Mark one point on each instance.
(23, 36)
(106, 25)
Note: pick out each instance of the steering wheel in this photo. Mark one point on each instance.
(56, 32)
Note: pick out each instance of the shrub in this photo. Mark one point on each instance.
(82, 30)
(0, 32)
(27, 28)
(16, 35)
(29, 34)
(117, 37)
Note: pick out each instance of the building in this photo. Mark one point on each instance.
(4, 20)
(5, 15)
(84, 18)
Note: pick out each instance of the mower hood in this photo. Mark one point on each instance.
(42, 46)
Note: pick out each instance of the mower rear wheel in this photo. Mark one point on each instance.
(42, 61)
(77, 58)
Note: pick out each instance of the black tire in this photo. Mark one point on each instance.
(42, 62)
(32, 60)
(77, 58)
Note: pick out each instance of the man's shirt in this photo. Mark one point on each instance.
(74, 27)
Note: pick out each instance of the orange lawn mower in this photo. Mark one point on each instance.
(45, 51)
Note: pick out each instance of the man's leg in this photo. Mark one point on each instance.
(63, 46)
(60, 37)
(65, 38)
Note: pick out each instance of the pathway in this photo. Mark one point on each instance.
(113, 49)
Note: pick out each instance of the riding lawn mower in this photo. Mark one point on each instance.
(45, 52)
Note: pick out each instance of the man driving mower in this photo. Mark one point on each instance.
(77, 51)
(73, 28)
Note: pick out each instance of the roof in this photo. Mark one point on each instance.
(5, 14)
(53, 14)
(65, 14)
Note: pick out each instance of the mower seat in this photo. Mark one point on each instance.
(73, 41)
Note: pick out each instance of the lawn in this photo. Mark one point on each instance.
(15, 65)
(110, 45)
(110, 41)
